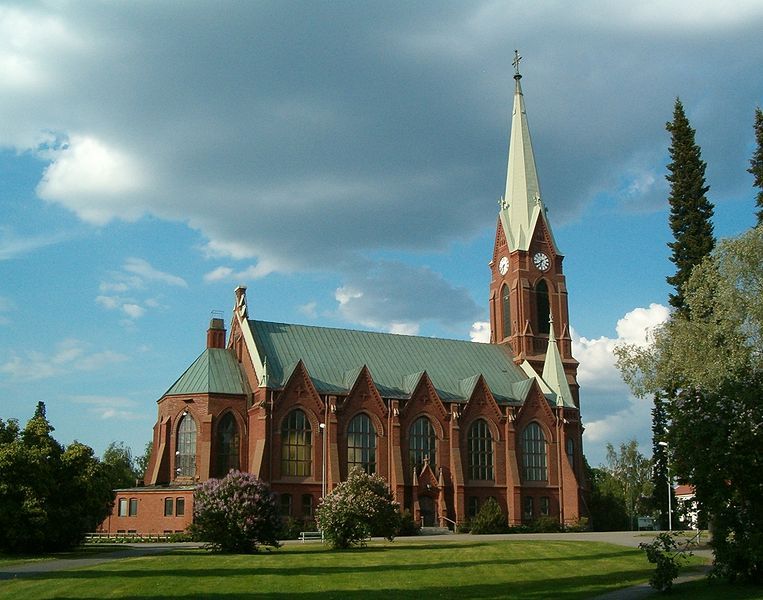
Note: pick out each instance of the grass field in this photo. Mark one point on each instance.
(402, 569)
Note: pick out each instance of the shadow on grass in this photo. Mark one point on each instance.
(564, 587)
(261, 568)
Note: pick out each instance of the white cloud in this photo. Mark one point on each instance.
(110, 407)
(134, 311)
(610, 411)
(218, 274)
(635, 326)
(126, 290)
(109, 302)
(257, 271)
(25, 36)
(480, 332)
(309, 309)
(96, 181)
(68, 355)
(143, 269)
(13, 245)
(403, 328)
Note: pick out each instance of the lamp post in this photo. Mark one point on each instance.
(670, 488)
(323, 460)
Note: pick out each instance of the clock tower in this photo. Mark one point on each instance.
(528, 292)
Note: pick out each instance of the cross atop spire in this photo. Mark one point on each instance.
(515, 62)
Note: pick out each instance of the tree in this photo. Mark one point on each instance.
(358, 508)
(489, 519)
(606, 505)
(690, 210)
(714, 362)
(237, 513)
(141, 462)
(629, 478)
(50, 496)
(118, 459)
(756, 163)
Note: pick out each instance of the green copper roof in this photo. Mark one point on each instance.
(334, 357)
(216, 371)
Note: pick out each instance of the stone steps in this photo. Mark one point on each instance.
(434, 531)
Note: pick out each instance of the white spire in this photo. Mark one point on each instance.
(521, 205)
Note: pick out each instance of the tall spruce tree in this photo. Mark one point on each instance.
(756, 163)
(690, 210)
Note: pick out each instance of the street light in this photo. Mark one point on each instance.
(670, 487)
(323, 460)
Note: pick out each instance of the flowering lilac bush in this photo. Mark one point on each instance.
(235, 514)
(358, 508)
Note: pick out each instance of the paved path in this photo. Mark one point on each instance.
(62, 564)
(620, 538)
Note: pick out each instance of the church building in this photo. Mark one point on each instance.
(448, 423)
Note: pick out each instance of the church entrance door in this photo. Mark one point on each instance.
(426, 505)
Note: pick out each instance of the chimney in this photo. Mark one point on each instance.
(216, 331)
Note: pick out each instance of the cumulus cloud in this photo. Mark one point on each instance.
(611, 413)
(96, 181)
(68, 355)
(480, 332)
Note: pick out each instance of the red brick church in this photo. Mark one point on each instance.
(447, 423)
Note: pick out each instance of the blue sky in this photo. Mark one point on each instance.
(343, 160)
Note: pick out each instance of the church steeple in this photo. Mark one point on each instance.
(521, 204)
(528, 292)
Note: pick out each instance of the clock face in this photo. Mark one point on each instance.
(541, 261)
(503, 265)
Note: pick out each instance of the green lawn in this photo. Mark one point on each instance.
(401, 569)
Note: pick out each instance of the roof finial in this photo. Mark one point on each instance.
(515, 62)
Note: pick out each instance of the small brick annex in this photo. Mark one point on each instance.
(447, 423)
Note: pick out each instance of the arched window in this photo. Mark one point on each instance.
(542, 306)
(361, 444)
(480, 444)
(421, 443)
(296, 445)
(227, 445)
(534, 453)
(506, 311)
(571, 452)
(186, 447)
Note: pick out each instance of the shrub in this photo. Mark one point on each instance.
(356, 509)
(490, 519)
(664, 552)
(407, 526)
(235, 514)
(546, 525)
(291, 528)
